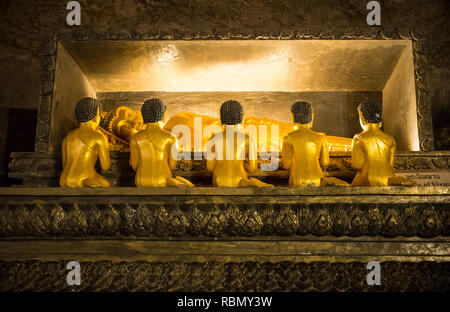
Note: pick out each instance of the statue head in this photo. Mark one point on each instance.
(369, 113)
(302, 113)
(153, 110)
(231, 113)
(87, 109)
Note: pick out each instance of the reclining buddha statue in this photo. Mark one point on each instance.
(122, 123)
(271, 141)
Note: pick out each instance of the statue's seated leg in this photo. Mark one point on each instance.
(332, 181)
(253, 182)
(401, 181)
(98, 181)
(178, 182)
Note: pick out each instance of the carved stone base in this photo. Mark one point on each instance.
(34, 168)
(225, 239)
(223, 276)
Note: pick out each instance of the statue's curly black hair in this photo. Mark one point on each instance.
(302, 112)
(153, 110)
(231, 113)
(371, 111)
(86, 109)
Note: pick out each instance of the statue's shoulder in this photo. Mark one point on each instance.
(387, 136)
(97, 135)
(71, 133)
(138, 136)
(169, 135)
(387, 139)
(164, 137)
(289, 134)
(292, 134)
(319, 135)
(360, 136)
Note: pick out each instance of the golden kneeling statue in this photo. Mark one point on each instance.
(233, 153)
(373, 151)
(302, 149)
(82, 147)
(153, 151)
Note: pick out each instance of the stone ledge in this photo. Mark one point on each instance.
(43, 169)
(242, 250)
(227, 191)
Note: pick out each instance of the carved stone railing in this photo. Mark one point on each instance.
(225, 239)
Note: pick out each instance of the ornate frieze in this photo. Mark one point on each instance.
(216, 212)
(223, 276)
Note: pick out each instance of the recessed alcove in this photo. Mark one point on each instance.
(267, 76)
